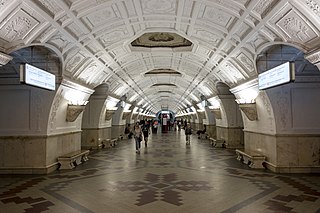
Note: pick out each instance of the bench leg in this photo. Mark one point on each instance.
(78, 160)
(239, 157)
(66, 165)
(85, 158)
(257, 164)
(245, 159)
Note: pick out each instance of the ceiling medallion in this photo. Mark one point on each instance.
(162, 72)
(161, 39)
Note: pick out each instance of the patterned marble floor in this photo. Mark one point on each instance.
(167, 176)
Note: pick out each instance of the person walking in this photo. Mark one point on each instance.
(137, 132)
(145, 131)
(188, 132)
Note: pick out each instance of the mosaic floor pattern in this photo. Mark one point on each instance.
(167, 176)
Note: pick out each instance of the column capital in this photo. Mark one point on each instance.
(4, 59)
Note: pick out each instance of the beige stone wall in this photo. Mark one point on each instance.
(35, 154)
(117, 130)
(92, 138)
(212, 131)
(286, 153)
(233, 136)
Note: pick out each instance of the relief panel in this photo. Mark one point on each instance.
(51, 6)
(209, 37)
(247, 63)
(74, 62)
(114, 37)
(158, 6)
(264, 7)
(218, 16)
(295, 28)
(314, 5)
(100, 17)
(18, 26)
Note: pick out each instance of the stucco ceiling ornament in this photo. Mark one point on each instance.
(4, 59)
(160, 39)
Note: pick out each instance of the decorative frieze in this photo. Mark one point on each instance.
(4, 59)
(314, 6)
(18, 26)
(313, 57)
(109, 114)
(159, 7)
(250, 110)
(73, 111)
(125, 115)
(296, 28)
(217, 113)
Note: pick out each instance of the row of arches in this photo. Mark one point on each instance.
(35, 129)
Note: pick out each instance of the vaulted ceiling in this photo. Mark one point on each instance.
(158, 52)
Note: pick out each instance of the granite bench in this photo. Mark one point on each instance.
(70, 160)
(204, 135)
(113, 142)
(254, 160)
(217, 142)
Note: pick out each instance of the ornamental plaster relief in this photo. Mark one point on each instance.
(60, 42)
(313, 57)
(4, 59)
(211, 38)
(100, 17)
(263, 7)
(51, 6)
(3, 4)
(234, 72)
(88, 73)
(18, 26)
(158, 6)
(257, 41)
(114, 37)
(74, 62)
(55, 106)
(217, 16)
(247, 64)
(295, 28)
(314, 5)
(282, 102)
(37, 100)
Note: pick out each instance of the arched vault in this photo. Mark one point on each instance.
(121, 42)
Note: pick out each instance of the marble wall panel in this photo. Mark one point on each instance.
(58, 145)
(117, 130)
(212, 131)
(261, 143)
(92, 138)
(23, 153)
(233, 136)
(286, 153)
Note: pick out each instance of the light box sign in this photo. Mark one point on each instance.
(37, 77)
(276, 76)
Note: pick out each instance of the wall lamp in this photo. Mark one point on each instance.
(74, 109)
(248, 107)
(216, 111)
(110, 112)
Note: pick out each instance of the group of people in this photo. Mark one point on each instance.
(140, 133)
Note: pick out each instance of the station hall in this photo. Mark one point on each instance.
(161, 106)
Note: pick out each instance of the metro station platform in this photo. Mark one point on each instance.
(167, 176)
